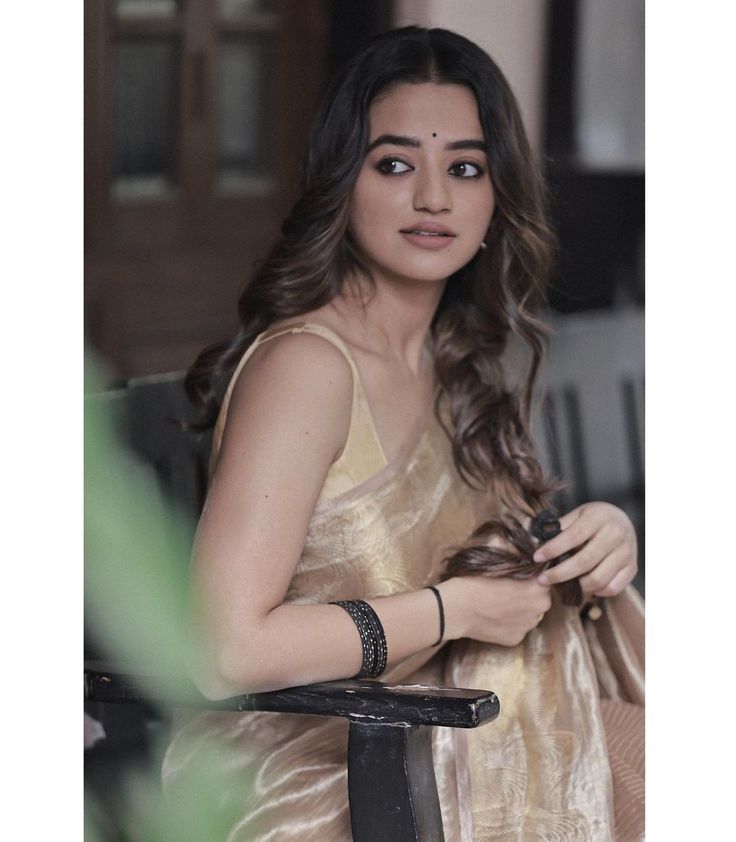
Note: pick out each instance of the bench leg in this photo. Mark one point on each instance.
(391, 783)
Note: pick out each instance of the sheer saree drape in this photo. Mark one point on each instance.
(562, 761)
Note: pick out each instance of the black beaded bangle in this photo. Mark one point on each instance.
(442, 613)
(366, 635)
(379, 638)
(372, 636)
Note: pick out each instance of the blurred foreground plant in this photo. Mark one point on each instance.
(137, 548)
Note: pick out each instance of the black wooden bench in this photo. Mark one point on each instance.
(391, 782)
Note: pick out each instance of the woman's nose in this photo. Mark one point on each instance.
(432, 192)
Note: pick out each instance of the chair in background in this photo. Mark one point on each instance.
(590, 421)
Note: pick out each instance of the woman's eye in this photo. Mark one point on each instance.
(392, 166)
(466, 169)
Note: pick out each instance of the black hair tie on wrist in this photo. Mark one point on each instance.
(442, 613)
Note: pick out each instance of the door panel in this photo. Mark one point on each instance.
(196, 118)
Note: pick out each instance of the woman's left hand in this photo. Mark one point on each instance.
(606, 553)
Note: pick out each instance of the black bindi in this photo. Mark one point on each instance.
(434, 134)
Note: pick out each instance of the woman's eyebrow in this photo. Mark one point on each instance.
(402, 140)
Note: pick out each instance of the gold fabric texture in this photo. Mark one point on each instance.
(547, 769)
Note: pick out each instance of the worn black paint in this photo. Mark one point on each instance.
(391, 782)
(359, 700)
(392, 766)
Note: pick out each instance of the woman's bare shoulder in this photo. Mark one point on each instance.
(300, 359)
(292, 383)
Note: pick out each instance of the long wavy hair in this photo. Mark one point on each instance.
(495, 295)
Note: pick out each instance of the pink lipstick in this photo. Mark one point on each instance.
(428, 235)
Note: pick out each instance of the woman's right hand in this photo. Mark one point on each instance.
(494, 610)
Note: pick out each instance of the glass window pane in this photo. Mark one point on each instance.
(147, 8)
(610, 85)
(144, 114)
(241, 115)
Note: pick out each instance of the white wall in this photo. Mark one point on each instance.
(512, 32)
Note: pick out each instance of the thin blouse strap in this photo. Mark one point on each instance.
(362, 426)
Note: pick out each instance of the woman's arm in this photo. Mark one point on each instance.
(288, 421)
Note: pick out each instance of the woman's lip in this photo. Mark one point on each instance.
(429, 241)
(429, 228)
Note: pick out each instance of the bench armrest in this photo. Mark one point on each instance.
(359, 700)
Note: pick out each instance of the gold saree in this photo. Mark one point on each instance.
(563, 761)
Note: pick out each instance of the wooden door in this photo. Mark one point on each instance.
(196, 117)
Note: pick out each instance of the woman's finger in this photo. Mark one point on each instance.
(567, 520)
(618, 582)
(573, 535)
(601, 576)
(580, 526)
(582, 562)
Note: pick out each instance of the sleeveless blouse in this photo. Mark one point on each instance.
(563, 761)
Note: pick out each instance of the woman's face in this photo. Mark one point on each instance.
(423, 199)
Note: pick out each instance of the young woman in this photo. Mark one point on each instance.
(366, 432)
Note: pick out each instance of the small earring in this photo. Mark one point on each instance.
(483, 245)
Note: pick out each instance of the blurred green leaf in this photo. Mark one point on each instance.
(137, 547)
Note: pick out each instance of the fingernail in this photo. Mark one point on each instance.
(538, 556)
(543, 579)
